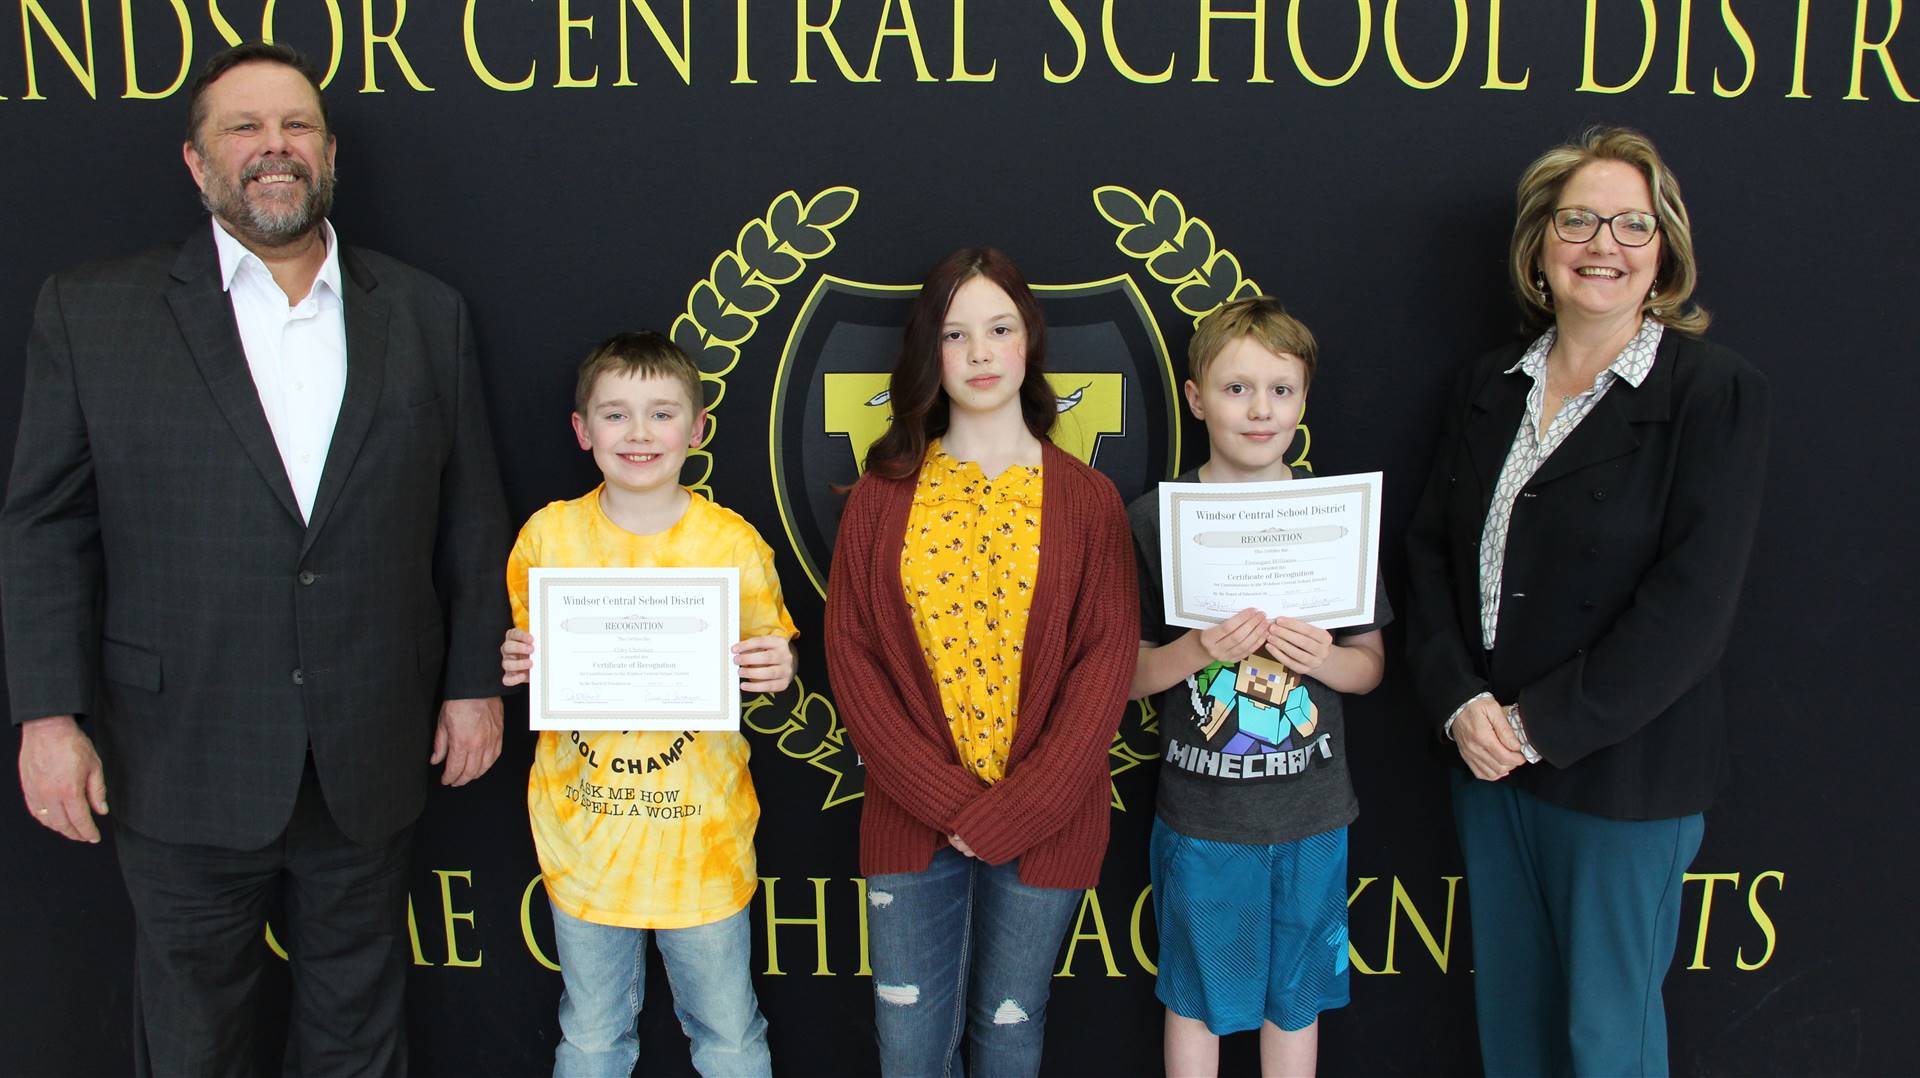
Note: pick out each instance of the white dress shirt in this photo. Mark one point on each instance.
(297, 353)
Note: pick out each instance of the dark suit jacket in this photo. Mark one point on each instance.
(1623, 565)
(160, 583)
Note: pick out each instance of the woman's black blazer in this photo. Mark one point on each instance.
(1623, 565)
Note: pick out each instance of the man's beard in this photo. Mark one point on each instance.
(270, 225)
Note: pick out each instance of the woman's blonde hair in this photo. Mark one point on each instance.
(1539, 195)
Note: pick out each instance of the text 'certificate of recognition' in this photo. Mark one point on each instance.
(634, 649)
(1305, 548)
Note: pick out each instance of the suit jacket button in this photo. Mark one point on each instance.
(1586, 604)
(1599, 495)
(299, 677)
(307, 577)
(1592, 553)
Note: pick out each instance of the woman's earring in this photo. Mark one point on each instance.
(1540, 287)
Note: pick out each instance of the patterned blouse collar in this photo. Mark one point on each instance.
(1631, 365)
(945, 479)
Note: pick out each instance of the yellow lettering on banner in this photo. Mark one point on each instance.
(413, 936)
(1760, 918)
(1392, 36)
(1708, 880)
(1119, 62)
(1300, 54)
(908, 30)
(1071, 25)
(681, 58)
(818, 921)
(220, 24)
(1133, 931)
(569, 24)
(134, 92)
(31, 13)
(1090, 901)
(390, 39)
(1353, 953)
(740, 75)
(1742, 41)
(1402, 902)
(1648, 32)
(480, 67)
(1399, 901)
(958, 72)
(1257, 16)
(526, 926)
(802, 30)
(187, 52)
(1800, 54)
(1861, 46)
(339, 36)
(1494, 81)
(1684, 49)
(866, 963)
(273, 943)
(449, 916)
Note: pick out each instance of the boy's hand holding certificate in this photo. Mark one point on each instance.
(634, 649)
(1305, 548)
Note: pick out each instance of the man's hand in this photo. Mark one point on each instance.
(468, 739)
(1486, 740)
(61, 777)
(765, 662)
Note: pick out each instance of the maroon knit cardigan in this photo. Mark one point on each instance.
(1083, 637)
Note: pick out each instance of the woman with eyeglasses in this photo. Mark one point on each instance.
(1574, 564)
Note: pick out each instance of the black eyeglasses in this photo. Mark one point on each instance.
(1631, 228)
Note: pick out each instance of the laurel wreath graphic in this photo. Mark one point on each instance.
(724, 309)
(722, 314)
(1180, 250)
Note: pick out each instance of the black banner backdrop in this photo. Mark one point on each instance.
(768, 178)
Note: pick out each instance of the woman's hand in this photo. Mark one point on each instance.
(1235, 638)
(516, 657)
(765, 662)
(1486, 742)
(1301, 646)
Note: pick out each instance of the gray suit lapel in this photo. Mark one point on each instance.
(366, 317)
(205, 317)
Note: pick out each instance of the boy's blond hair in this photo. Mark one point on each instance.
(645, 353)
(1259, 317)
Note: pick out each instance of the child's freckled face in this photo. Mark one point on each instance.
(1251, 403)
(639, 429)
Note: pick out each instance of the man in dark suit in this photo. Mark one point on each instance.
(254, 533)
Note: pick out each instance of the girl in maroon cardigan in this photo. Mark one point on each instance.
(981, 635)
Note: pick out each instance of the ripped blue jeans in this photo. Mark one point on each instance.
(963, 948)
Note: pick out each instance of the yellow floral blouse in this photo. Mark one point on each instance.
(967, 565)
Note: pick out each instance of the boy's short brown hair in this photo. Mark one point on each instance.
(645, 353)
(1259, 317)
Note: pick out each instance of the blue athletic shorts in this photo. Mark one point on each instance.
(1251, 933)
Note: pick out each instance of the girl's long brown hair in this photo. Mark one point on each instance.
(919, 403)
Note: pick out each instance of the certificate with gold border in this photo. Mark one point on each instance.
(1304, 548)
(634, 649)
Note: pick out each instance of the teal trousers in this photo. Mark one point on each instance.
(1574, 918)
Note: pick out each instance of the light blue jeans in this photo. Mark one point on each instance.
(604, 968)
(963, 948)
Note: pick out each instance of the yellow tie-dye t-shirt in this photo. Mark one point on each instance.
(646, 830)
(967, 564)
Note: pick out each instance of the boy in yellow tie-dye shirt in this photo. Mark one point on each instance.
(679, 861)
